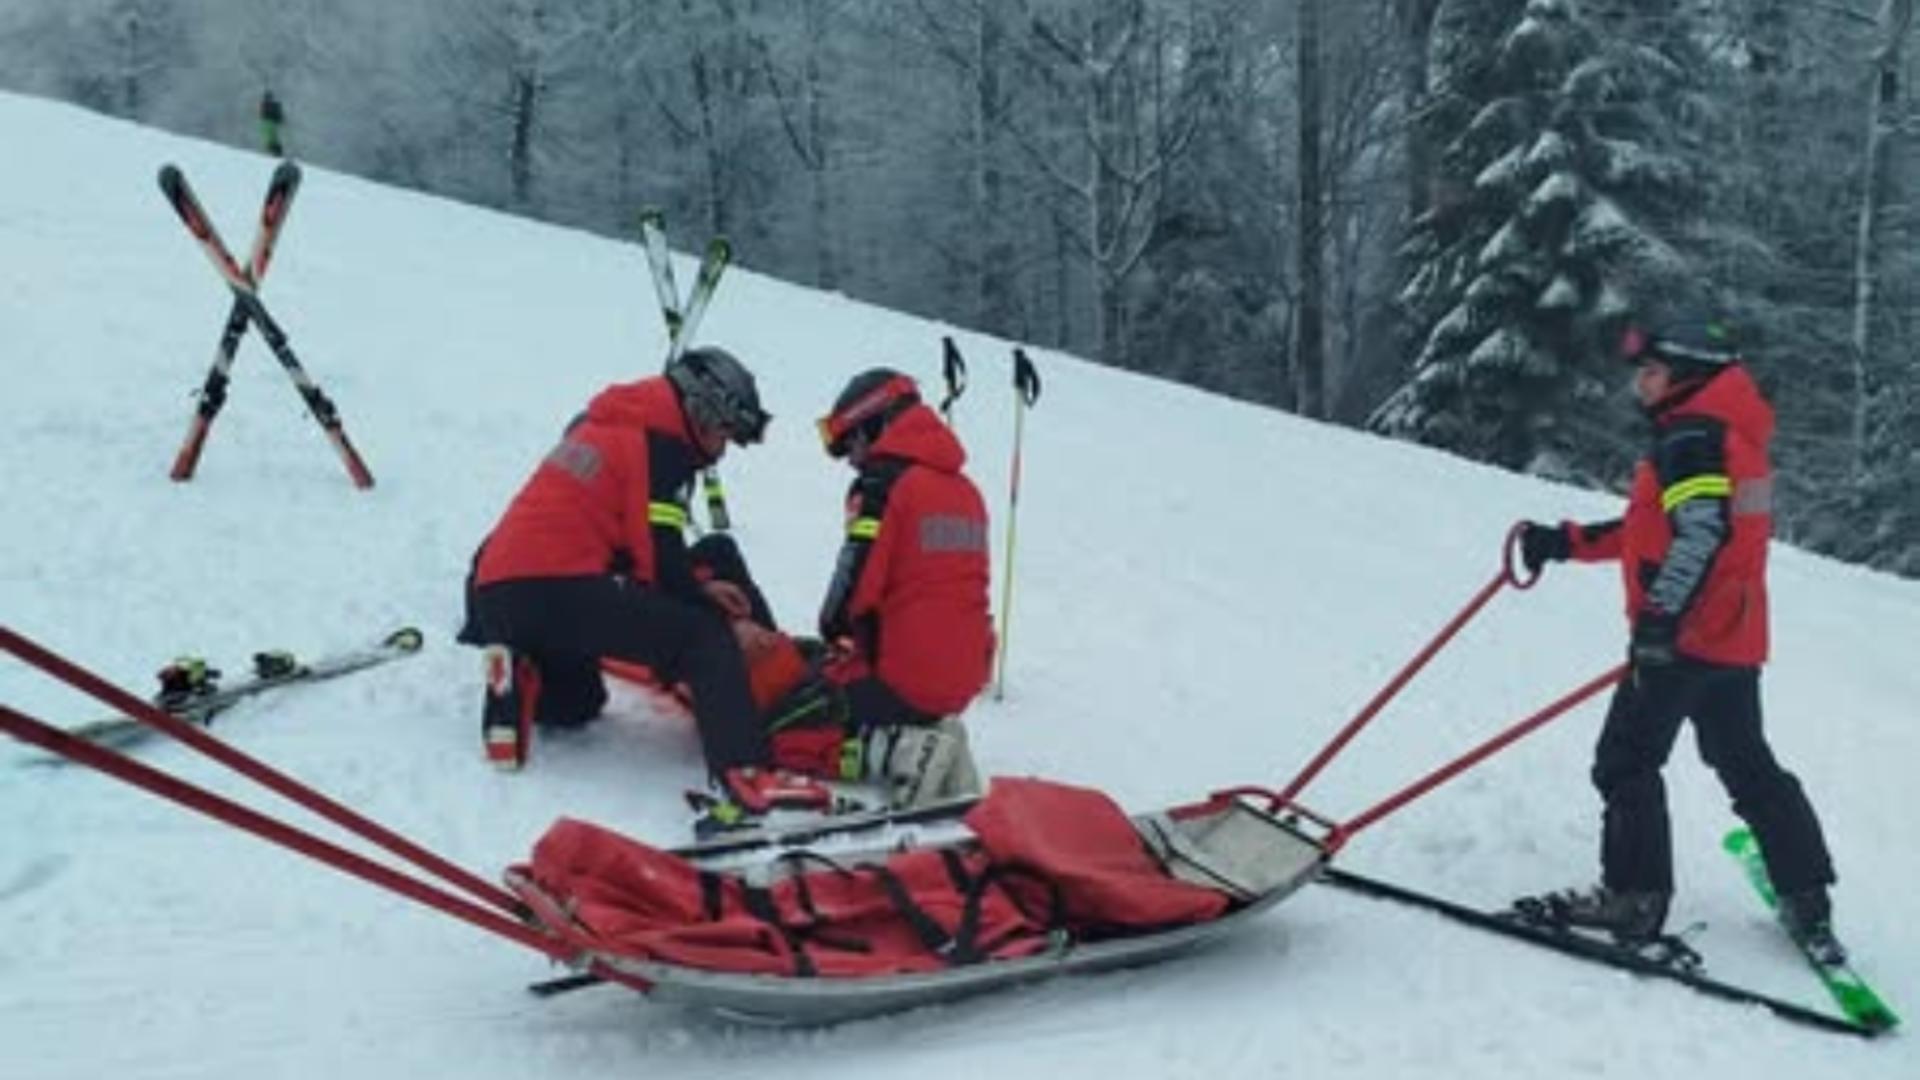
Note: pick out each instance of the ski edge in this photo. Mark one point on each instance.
(1595, 951)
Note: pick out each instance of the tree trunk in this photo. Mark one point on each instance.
(1416, 31)
(1310, 346)
(1883, 116)
(993, 258)
(526, 96)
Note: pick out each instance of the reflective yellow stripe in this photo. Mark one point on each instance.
(662, 513)
(863, 528)
(1713, 485)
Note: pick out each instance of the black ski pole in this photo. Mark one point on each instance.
(954, 368)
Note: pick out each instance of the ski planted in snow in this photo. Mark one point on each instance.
(246, 296)
(190, 689)
(1850, 992)
(682, 319)
(1598, 950)
(213, 392)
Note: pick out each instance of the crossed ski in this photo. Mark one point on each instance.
(244, 282)
(683, 318)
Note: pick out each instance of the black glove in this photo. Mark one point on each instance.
(1542, 544)
(1652, 649)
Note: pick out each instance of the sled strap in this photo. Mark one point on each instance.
(252, 768)
(803, 896)
(200, 800)
(758, 902)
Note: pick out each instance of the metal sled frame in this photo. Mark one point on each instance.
(1228, 843)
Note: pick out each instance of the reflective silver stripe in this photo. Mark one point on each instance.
(1698, 531)
(1753, 496)
(578, 459)
(950, 532)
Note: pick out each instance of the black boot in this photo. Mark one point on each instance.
(1807, 916)
(1632, 917)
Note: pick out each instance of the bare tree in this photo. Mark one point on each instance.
(1117, 66)
(1310, 342)
(1877, 189)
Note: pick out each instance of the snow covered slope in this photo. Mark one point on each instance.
(1206, 591)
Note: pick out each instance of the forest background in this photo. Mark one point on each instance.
(1423, 217)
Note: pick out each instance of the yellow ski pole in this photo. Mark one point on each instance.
(1026, 391)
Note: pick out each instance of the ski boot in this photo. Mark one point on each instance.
(1633, 919)
(1807, 916)
(506, 717)
(915, 763)
(750, 797)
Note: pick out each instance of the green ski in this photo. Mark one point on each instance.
(1855, 998)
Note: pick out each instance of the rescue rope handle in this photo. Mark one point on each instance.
(1511, 573)
(493, 909)
(48, 737)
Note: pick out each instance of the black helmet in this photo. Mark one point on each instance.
(864, 409)
(718, 393)
(1690, 341)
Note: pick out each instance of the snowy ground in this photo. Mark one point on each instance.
(1206, 591)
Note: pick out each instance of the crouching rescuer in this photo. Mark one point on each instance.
(906, 635)
(590, 560)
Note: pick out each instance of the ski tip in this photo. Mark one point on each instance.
(171, 179)
(286, 178)
(406, 639)
(1737, 840)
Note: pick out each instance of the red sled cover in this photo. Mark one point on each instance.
(921, 910)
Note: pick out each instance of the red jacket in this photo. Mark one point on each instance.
(913, 580)
(1708, 477)
(592, 505)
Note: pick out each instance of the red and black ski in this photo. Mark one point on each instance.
(247, 307)
(213, 393)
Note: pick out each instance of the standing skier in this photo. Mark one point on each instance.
(1693, 553)
(589, 561)
(905, 617)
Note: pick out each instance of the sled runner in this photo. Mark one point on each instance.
(1034, 880)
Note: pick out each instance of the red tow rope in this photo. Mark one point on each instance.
(167, 786)
(1341, 832)
(499, 912)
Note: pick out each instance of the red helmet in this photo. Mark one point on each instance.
(864, 409)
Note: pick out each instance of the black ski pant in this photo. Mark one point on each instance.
(1636, 848)
(565, 625)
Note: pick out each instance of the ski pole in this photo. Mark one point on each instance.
(954, 368)
(1026, 391)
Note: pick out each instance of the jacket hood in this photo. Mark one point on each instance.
(649, 403)
(1731, 397)
(919, 436)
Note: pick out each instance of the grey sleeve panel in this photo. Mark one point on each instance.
(1699, 530)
